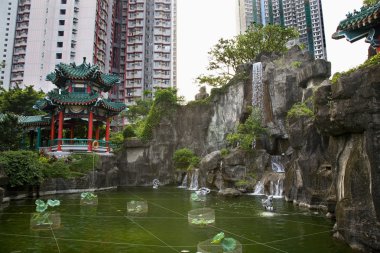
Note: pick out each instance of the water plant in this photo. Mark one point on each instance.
(42, 216)
(88, 196)
(228, 244)
(202, 221)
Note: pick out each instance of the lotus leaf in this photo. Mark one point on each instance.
(41, 206)
(228, 244)
(54, 202)
(217, 238)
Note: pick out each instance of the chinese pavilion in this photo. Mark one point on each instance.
(78, 102)
(361, 24)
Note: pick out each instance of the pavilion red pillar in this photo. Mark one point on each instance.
(97, 132)
(60, 130)
(378, 48)
(108, 134)
(89, 134)
(52, 130)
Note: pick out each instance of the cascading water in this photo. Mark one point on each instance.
(257, 85)
(194, 180)
(259, 188)
(184, 182)
(277, 165)
(276, 188)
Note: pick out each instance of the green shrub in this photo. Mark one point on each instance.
(83, 163)
(373, 61)
(185, 159)
(248, 131)
(224, 152)
(129, 131)
(21, 167)
(296, 64)
(299, 110)
(165, 102)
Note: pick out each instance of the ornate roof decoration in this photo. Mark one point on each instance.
(84, 72)
(360, 24)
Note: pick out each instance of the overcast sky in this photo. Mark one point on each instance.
(201, 23)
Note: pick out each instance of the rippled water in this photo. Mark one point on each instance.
(108, 227)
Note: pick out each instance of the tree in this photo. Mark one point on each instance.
(370, 2)
(20, 101)
(10, 132)
(248, 131)
(185, 159)
(227, 55)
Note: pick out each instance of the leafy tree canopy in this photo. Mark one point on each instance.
(370, 2)
(10, 132)
(185, 159)
(20, 101)
(228, 54)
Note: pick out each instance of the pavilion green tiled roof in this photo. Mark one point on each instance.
(66, 98)
(36, 120)
(112, 106)
(367, 16)
(83, 72)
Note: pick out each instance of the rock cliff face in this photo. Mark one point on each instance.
(335, 163)
(331, 159)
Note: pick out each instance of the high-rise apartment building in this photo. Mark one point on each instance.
(146, 46)
(50, 32)
(135, 39)
(305, 15)
(8, 11)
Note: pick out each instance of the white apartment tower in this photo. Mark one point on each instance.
(305, 15)
(8, 12)
(147, 47)
(52, 31)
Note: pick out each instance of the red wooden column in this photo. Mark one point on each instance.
(97, 132)
(52, 130)
(60, 130)
(89, 134)
(108, 134)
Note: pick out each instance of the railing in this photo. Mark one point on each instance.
(79, 145)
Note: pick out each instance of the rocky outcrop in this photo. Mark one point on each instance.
(334, 163)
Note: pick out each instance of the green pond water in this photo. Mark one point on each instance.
(108, 227)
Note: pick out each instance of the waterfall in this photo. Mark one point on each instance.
(277, 164)
(194, 180)
(184, 182)
(259, 188)
(276, 188)
(257, 85)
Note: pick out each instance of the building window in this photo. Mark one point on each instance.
(62, 11)
(61, 33)
(58, 55)
(59, 44)
(62, 22)
(63, 1)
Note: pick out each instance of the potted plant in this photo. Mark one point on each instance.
(88, 198)
(44, 219)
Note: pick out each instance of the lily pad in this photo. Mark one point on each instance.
(54, 202)
(217, 238)
(228, 244)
